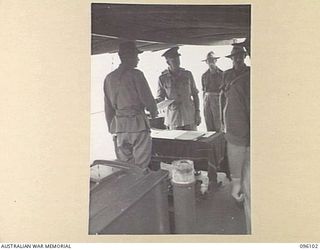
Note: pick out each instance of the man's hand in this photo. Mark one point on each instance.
(197, 117)
(236, 190)
(154, 115)
(114, 137)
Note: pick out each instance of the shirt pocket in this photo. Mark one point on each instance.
(184, 90)
(171, 89)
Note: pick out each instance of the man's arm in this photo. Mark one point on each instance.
(238, 112)
(108, 109)
(195, 97)
(196, 105)
(203, 84)
(161, 93)
(196, 101)
(238, 128)
(145, 94)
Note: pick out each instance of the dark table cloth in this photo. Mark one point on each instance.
(206, 153)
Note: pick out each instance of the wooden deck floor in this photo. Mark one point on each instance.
(218, 213)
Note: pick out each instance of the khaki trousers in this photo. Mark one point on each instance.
(239, 164)
(211, 111)
(134, 148)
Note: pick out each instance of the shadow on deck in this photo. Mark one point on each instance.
(218, 213)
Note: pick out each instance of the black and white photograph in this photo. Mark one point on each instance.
(173, 122)
(170, 119)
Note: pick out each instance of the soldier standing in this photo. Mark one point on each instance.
(127, 94)
(177, 84)
(211, 83)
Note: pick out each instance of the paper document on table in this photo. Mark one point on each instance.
(166, 134)
(209, 133)
(164, 104)
(190, 135)
(176, 134)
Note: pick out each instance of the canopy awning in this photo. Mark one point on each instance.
(157, 27)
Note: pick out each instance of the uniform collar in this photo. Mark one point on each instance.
(124, 67)
(176, 73)
(245, 68)
(216, 70)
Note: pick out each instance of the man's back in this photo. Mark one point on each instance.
(120, 87)
(127, 93)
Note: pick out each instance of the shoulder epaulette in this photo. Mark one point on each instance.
(235, 80)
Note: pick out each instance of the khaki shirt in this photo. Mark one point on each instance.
(231, 74)
(235, 106)
(212, 81)
(237, 110)
(178, 87)
(127, 94)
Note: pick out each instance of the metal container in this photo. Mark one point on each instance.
(183, 182)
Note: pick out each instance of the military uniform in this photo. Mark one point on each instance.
(236, 117)
(227, 80)
(236, 125)
(127, 94)
(179, 87)
(211, 84)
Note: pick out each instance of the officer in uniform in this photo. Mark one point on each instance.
(211, 83)
(237, 56)
(236, 117)
(127, 94)
(177, 84)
